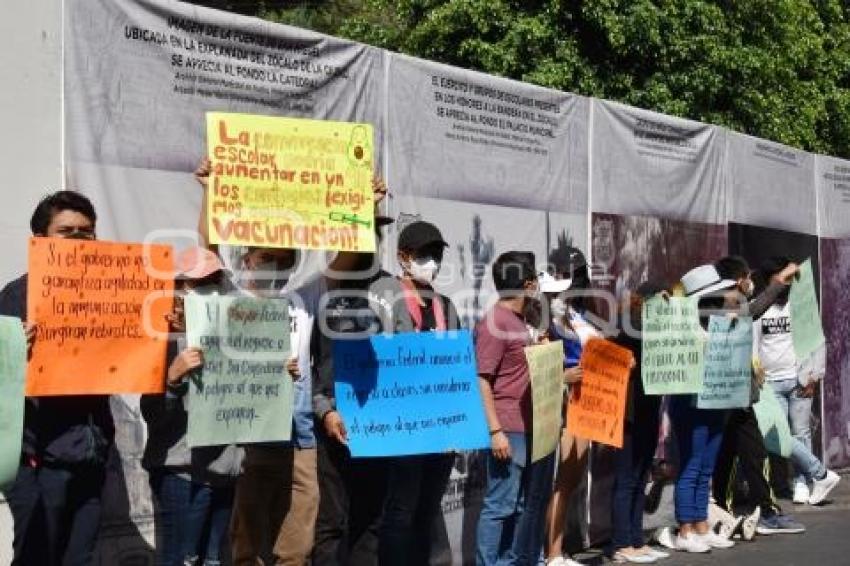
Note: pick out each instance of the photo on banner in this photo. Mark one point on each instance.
(244, 393)
(673, 346)
(597, 404)
(13, 369)
(100, 310)
(290, 182)
(546, 371)
(409, 393)
(728, 363)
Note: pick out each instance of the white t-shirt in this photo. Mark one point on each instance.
(773, 343)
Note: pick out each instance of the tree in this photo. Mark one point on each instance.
(776, 69)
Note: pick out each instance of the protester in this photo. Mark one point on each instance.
(193, 488)
(699, 432)
(510, 527)
(794, 388)
(416, 484)
(743, 446)
(633, 462)
(568, 312)
(277, 495)
(352, 490)
(56, 498)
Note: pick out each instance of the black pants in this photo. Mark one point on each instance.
(351, 500)
(56, 514)
(742, 440)
(413, 517)
(632, 464)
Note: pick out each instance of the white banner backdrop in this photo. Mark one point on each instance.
(461, 135)
(649, 164)
(770, 185)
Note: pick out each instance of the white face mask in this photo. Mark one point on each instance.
(423, 269)
(558, 307)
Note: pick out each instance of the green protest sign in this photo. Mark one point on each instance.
(546, 369)
(773, 423)
(728, 363)
(13, 368)
(673, 346)
(806, 328)
(244, 393)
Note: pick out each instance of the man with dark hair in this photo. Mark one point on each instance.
(742, 439)
(511, 526)
(55, 500)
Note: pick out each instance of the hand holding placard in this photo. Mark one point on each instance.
(673, 346)
(597, 405)
(100, 311)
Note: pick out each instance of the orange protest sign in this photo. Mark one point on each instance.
(597, 404)
(100, 312)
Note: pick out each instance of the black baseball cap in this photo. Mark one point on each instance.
(419, 234)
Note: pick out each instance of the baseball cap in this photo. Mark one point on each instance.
(419, 234)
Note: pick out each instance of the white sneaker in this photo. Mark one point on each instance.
(714, 540)
(635, 558)
(801, 493)
(751, 522)
(570, 562)
(658, 554)
(563, 561)
(692, 543)
(666, 538)
(821, 488)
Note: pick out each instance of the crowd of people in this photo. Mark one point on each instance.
(308, 501)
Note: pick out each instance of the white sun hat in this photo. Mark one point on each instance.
(549, 284)
(704, 280)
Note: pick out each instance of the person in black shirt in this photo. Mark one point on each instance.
(55, 500)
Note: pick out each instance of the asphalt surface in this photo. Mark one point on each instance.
(826, 541)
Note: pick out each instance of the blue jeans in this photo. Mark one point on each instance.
(699, 433)
(799, 412)
(195, 519)
(513, 516)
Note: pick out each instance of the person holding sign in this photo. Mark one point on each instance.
(352, 489)
(568, 308)
(193, 488)
(699, 432)
(511, 526)
(415, 484)
(633, 462)
(743, 445)
(794, 386)
(55, 500)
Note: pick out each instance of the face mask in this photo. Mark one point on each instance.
(423, 269)
(558, 307)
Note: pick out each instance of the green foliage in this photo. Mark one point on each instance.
(777, 69)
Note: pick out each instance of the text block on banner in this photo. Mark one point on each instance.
(728, 364)
(100, 311)
(546, 368)
(410, 393)
(244, 393)
(597, 405)
(13, 363)
(673, 346)
(290, 182)
(806, 328)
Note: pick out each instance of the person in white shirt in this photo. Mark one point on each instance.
(795, 383)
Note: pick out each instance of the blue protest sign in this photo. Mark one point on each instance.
(412, 393)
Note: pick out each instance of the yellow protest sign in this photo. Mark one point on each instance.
(290, 183)
(546, 369)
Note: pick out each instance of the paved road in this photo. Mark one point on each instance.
(826, 541)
